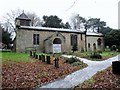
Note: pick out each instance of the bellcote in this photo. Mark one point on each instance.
(22, 20)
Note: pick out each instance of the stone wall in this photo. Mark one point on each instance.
(93, 39)
(24, 39)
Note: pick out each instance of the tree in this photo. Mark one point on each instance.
(6, 37)
(35, 20)
(52, 21)
(96, 24)
(1, 33)
(112, 38)
(78, 22)
(67, 25)
(9, 21)
(105, 30)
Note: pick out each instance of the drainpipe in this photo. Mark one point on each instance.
(85, 41)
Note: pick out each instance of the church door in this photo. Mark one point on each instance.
(57, 45)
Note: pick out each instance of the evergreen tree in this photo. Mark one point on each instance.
(6, 37)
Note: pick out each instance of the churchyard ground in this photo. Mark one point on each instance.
(21, 71)
(102, 80)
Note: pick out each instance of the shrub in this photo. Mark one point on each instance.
(99, 51)
(71, 60)
(96, 55)
(118, 48)
(77, 63)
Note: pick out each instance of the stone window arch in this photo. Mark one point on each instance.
(57, 41)
(99, 41)
(94, 46)
(88, 45)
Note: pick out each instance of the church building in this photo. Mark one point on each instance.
(53, 40)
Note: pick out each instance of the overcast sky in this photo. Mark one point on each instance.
(106, 10)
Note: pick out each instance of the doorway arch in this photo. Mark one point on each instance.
(57, 45)
(57, 41)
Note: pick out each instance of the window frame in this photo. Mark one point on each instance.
(36, 39)
(74, 39)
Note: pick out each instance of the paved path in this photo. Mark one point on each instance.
(81, 75)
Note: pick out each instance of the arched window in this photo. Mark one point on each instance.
(99, 41)
(88, 45)
(57, 41)
(94, 47)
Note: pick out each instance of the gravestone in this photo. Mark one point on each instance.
(116, 67)
(39, 57)
(56, 62)
(48, 59)
(36, 56)
(34, 53)
(43, 58)
(30, 53)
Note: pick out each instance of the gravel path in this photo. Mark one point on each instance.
(81, 75)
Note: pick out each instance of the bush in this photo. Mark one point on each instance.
(71, 60)
(99, 51)
(119, 49)
(77, 63)
(96, 55)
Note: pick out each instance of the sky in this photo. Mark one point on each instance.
(106, 10)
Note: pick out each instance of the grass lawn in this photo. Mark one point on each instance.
(105, 55)
(17, 57)
(21, 71)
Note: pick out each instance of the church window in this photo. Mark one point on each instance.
(88, 45)
(73, 40)
(36, 39)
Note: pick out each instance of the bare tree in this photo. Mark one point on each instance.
(1, 32)
(78, 22)
(35, 20)
(9, 20)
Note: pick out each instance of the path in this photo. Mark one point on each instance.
(81, 75)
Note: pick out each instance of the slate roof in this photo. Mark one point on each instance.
(23, 16)
(60, 30)
(94, 34)
(51, 29)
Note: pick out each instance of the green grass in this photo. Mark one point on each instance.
(12, 56)
(104, 54)
(110, 53)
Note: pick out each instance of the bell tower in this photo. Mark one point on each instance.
(22, 20)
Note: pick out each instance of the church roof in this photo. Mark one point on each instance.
(51, 29)
(94, 34)
(60, 30)
(23, 16)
